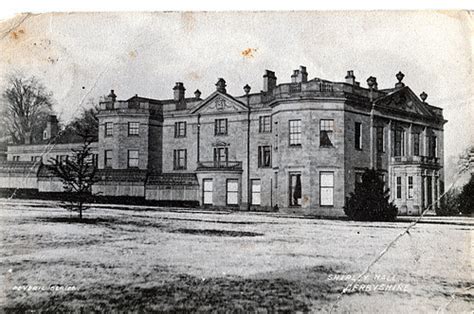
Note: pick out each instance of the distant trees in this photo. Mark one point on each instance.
(370, 200)
(466, 198)
(24, 106)
(449, 204)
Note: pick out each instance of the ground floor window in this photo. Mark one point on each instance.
(232, 192)
(410, 187)
(326, 188)
(133, 158)
(256, 188)
(107, 159)
(295, 189)
(399, 187)
(207, 189)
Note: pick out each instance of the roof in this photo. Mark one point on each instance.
(122, 175)
(174, 179)
(19, 167)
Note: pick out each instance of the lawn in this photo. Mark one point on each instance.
(162, 260)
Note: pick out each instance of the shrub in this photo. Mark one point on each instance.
(449, 204)
(370, 200)
(466, 198)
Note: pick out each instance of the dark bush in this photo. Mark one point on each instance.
(449, 204)
(466, 198)
(370, 200)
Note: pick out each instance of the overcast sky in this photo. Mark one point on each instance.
(83, 56)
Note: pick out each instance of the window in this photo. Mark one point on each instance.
(358, 136)
(326, 188)
(232, 192)
(179, 159)
(108, 159)
(37, 158)
(16, 158)
(63, 158)
(133, 158)
(380, 139)
(265, 124)
(358, 177)
(416, 144)
(220, 156)
(45, 135)
(295, 189)
(399, 142)
(264, 156)
(180, 129)
(433, 143)
(410, 187)
(220, 127)
(207, 189)
(326, 131)
(109, 129)
(256, 188)
(95, 159)
(133, 128)
(295, 132)
(399, 187)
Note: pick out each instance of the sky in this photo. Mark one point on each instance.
(82, 56)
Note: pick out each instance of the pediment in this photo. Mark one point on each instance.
(219, 102)
(405, 100)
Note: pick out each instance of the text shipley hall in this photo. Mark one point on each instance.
(299, 146)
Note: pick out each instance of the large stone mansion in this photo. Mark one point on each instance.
(299, 146)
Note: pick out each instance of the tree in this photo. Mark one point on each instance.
(449, 204)
(78, 174)
(370, 200)
(25, 105)
(466, 198)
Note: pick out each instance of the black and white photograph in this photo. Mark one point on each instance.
(310, 161)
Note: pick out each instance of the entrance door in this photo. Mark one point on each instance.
(207, 190)
(429, 187)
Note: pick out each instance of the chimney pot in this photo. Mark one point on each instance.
(197, 94)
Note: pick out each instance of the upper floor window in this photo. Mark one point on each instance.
(37, 158)
(16, 158)
(399, 142)
(109, 129)
(295, 132)
(221, 156)
(265, 124)
(358, 136)
(133, 158)
(220, 127)
(264, 156)
(180, 129)
(416, 144)
(326, 132)
(380, 139)
(133, 128)
(179, 157)
(108, 158)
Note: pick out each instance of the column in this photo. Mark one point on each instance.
(433, 192)
(409, 151)
(425, 191)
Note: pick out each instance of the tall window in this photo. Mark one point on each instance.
(95, 159)
(220, 156)
(207, 190)
(16, 158)
(416, 144)
(380, 139)
(264, 156)
(295, 189)
(433, 143)
(410, 187)
(179, 159)
(132, 158)
(399, 142)
(265, 124)
(399, 187)
(109, 129)
(36, 158)
(295, 132)
(326, 188)
(256, 188)
(326, 132)
(133, 128)
(108, 159)
(358, 177)
(358, 136)
(180, 129)
(220, 127)
(232, 192)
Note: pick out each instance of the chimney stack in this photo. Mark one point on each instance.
(179, 91)
(300, 75)
(269, 81)
(350, 78)
(197, 94)
(52, 128)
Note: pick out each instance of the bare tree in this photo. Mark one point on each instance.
(25, 104)
(78, 174)
(464, 163)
